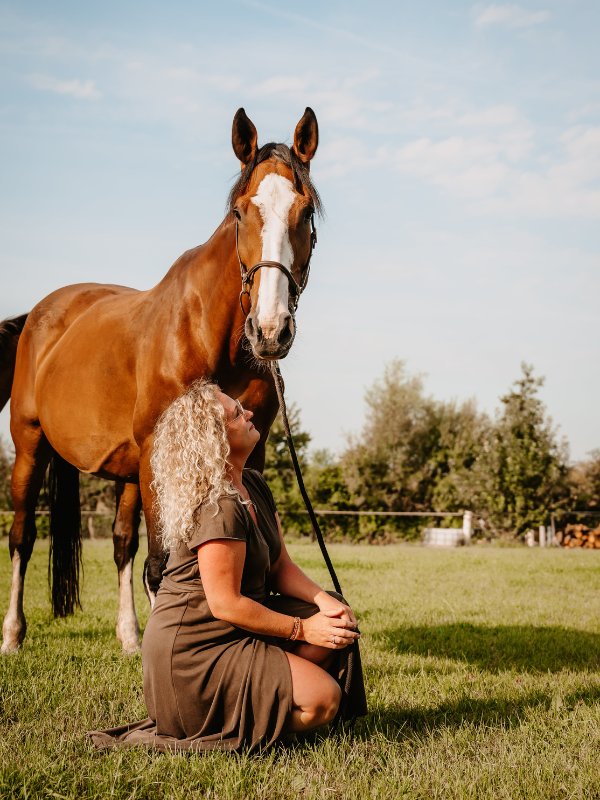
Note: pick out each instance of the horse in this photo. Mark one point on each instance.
(92, 367)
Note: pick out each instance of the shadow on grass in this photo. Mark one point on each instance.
(522, 647)
(398, 723)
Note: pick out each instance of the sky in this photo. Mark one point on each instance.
(459, 165)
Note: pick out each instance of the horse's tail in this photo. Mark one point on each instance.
(65, 536)
(10, 331)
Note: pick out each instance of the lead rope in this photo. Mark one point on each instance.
(315, 525)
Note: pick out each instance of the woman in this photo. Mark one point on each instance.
(241, 645)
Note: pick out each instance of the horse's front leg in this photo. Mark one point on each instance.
(156, 559)
(126, 542)
(32, 458)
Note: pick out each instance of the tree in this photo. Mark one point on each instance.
(279, 470)
(6, 465)
(409, 448)
(584, 484)
(327, 489)
(520, 473)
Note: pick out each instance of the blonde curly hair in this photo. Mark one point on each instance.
(189, 460)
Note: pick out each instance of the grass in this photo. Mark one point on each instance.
(481, 669)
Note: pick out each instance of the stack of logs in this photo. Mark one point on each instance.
(580, 536)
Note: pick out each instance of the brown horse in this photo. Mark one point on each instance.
(97, 364)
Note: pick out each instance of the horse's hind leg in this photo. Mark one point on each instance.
(32, 458)
(126, 542)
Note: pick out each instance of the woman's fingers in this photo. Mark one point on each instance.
(344, 612)
(334, 612)
(328, 630)
(350, 615)
(345, 634)
(339, 620)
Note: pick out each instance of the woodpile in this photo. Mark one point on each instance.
(580, 536)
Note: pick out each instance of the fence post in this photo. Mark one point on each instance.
(467, 526)
(542, 536)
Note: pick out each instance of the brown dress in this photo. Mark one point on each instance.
(208, 684)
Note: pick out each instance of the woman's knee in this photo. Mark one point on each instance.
(325, 705)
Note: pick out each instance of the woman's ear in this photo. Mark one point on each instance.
(306, 137)
(243, 137)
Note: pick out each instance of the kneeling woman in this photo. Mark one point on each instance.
(241, 645)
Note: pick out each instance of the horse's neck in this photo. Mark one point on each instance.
(201, 292)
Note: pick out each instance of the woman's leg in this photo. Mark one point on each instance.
(315, 695)
(321, 656)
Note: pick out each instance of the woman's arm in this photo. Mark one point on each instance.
(221, 563)
(287, 578)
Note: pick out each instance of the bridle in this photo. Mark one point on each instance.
(295, 288)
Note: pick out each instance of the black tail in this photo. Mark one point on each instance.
(10, 330)
(65, 536)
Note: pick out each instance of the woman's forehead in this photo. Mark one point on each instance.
(228, 404)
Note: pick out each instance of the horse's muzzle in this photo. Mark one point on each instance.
(275, 346)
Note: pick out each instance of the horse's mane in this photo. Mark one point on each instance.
(282, 153)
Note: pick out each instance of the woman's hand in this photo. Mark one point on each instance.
(328, 603)
(329, 629)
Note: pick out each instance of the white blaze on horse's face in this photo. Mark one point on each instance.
(274, 199)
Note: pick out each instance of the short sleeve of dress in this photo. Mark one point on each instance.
(226, 523)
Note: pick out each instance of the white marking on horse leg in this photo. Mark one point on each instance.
(151, 594)
(14, 627)
(128, 629)
(274, 199)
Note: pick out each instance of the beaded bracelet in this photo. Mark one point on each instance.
(295, 630)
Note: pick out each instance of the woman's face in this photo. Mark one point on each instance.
(241, 433)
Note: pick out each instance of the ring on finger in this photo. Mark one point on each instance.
(333, 640)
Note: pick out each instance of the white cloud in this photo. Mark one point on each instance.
(75, 87)
(488, 169)
(512, 16)
(345, 154)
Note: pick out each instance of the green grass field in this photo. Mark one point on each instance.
(482, 672)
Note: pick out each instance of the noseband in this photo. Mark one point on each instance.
(295, 288)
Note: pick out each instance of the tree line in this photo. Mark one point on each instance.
(416, 453)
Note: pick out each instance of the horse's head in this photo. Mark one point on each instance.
(274, 202)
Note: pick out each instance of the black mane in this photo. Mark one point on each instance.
(282, 153)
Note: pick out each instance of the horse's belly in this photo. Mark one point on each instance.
(90, 438)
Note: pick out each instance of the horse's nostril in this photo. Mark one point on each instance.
(286, 334)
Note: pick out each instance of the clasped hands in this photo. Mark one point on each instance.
(334, 626)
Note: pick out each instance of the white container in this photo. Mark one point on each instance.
(443, 537)
(530, 539)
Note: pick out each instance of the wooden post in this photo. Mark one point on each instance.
(542, 536)
(91, 527)
(467, 526)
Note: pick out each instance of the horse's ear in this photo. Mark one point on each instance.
(306, 137)
(243, 136)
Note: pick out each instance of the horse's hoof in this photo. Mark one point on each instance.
(9, 648)
(129, 648)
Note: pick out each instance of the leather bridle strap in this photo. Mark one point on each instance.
(295, 288)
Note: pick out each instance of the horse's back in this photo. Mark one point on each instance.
(55, 313)
(46, 324)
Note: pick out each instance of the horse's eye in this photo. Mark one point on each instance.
(237, 213)
(309, 214)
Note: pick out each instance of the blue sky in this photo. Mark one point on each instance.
(459, 165)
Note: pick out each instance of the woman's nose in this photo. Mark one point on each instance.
(249, 414)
